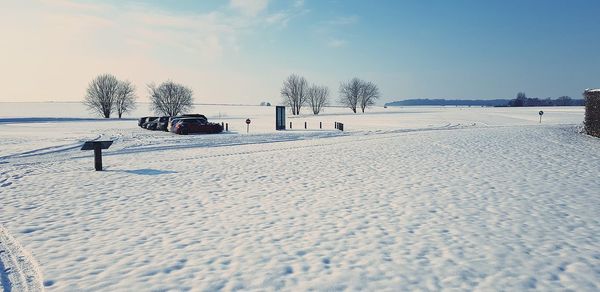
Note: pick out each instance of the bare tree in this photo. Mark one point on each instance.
(318, 97)
(170, 98)
(369, 92)
(125, 98)
(101, 94)
(294, 92)
(564, 101)
(350, 93)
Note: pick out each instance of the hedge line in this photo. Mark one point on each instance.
(592, 112)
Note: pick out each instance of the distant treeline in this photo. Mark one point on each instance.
(458, 102)
(521, 101)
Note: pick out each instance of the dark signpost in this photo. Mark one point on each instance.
(280, 118)
(97, 146)
(247, 125)
(541, 113)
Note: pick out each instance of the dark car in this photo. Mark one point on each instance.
(186, 126)
(142, 121)
(172, 120)
(150, 123)
(161, 123)
(194, 116)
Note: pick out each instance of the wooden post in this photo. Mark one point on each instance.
(226, 127)
(290, 125)
(98, 157)
(320, 125)
(97, 146)
(305, 125)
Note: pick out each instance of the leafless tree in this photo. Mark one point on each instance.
(318, 97)
(564, 101)
(350, 93)
(369, 92)
(170, 98)
(101, 94)
(125, 98)
(294, 92)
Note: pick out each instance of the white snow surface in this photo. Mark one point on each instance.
(18, 269)
(408, 198)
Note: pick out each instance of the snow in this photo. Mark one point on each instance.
(408, 198)
(18, 269)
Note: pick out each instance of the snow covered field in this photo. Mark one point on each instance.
(408, 198)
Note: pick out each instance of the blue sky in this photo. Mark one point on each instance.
(239, 51)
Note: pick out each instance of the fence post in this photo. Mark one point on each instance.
(290, 125)
(320, 125)
(226, 127)
(304, 125)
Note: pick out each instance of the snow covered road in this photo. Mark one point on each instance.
(503, 208)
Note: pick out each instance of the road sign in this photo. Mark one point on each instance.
(541, 113)
(248, 121)
(247, 126)
(97, 146)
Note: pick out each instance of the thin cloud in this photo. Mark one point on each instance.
(249, 7)
(336, 43)
(77, 6)
(335, 31)
(298, 3)
(129, 38)
(343, 20)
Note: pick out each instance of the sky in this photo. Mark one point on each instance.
(240, 51)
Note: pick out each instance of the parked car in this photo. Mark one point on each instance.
(149, 124)
(194, 116)
(161, 123)
(142, 121)
(184, 126)
(172, 120)
(171, 123)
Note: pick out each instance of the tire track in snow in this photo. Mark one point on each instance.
(54, 156)
(128, 149)
(320, 142)
(46, 150)
(18, 270)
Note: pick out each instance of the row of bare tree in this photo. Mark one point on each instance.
(358, 93)
(355, 93)
(107, 94)
(296, 93)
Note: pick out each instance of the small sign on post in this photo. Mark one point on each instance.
(541, 113)
(97, 146)
(247, 125)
